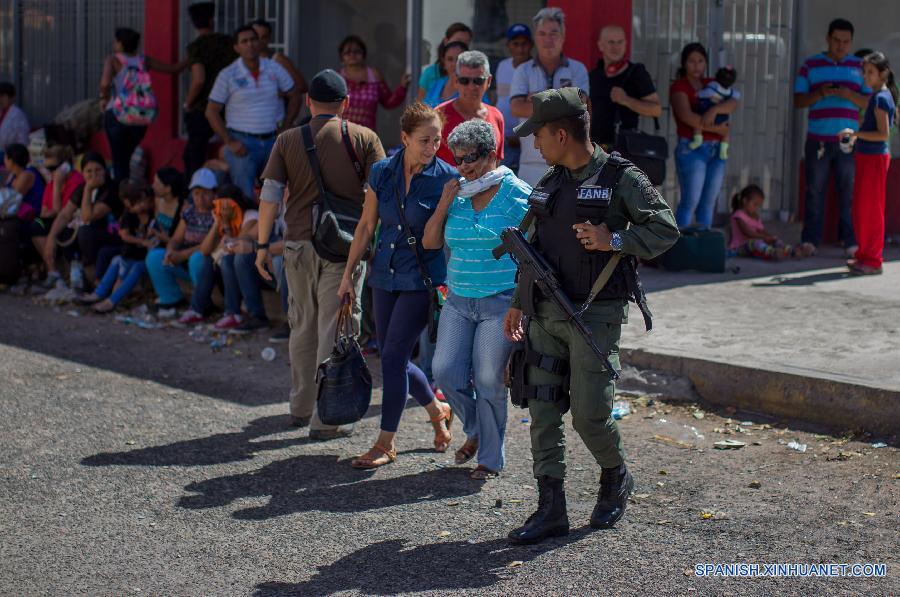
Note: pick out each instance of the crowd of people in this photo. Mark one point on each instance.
(475, 146)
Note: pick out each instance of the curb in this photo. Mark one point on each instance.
(834, 403)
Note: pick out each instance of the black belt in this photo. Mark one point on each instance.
(255, 135)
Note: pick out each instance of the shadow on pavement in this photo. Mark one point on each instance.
(324, 483)
(389, 568)
(808, 280)
(743, 268)
(215, 449)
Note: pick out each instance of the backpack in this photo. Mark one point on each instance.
(135, 104)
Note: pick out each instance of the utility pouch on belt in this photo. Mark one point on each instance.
(521, 393)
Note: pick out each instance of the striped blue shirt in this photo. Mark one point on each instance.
(831, 114)
(472, 271)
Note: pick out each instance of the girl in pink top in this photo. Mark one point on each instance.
(749, 237)
(365, 84)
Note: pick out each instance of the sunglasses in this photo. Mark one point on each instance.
(469, 159)
(476, 80)
(52, 167)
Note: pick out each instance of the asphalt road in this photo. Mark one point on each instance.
(141, 462)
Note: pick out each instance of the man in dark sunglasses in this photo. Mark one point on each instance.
(472, 79)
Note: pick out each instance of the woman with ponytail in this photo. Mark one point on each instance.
(872, 159)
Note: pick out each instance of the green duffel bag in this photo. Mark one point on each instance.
(699, 249)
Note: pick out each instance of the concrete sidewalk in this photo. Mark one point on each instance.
(799, 339)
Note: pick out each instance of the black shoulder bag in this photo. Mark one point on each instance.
(647, 152)
(334, 218)
(434, 302)
(343, 379)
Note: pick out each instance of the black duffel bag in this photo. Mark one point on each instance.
(334, 218)
(647, 152)
(343, 379)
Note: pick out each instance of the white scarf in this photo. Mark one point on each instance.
(470, 188)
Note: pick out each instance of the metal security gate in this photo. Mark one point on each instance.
(231, 14)
(754, 36)
(53, 51)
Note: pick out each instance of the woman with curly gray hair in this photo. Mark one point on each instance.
(472, 351)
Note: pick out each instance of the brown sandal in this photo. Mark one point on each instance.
(442, 435)
(371, 459)
(483, 473)
(467, 451)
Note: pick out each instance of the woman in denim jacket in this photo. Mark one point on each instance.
(414, 177)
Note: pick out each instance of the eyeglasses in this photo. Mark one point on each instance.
(476, 80)
(353, 51)
(468, 159)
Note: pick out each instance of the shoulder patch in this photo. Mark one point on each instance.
(651, 194)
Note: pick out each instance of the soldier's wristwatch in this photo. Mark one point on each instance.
(616, 241)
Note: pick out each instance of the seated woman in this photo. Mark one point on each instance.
(25, 179)
(168, 193)
(64, 180)
(472, 352)
(126, 269)
(181, 258)
(232, 233)
(90, 215)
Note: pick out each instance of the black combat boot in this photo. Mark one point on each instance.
(550, 519)
(616, 485)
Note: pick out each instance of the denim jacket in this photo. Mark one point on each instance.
(394, 266)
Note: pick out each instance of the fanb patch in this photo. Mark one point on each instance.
(594, 193)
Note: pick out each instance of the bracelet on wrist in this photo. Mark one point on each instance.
(259, 246)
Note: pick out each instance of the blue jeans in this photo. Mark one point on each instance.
(240, 271)
(199, 270)
(817, 171)
(700, 173)
(245, 169)
(232, 287)
(399, 319)
(469, 367)
(129, 271)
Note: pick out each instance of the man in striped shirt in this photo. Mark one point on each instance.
(248, 91)
(831, 85)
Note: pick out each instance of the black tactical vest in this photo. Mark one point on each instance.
(560, 203)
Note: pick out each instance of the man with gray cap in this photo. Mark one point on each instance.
(313, 281)
(594, 215)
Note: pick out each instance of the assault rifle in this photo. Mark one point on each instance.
(535, 271)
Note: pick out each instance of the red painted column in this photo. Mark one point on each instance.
(584, 20)
(161, 41)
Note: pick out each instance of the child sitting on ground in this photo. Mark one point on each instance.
(127, 269)
(749, 238)
(717, 91)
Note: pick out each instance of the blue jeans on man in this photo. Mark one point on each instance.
(469, 367)
(700, 174)
(245, 169)
(822, 158)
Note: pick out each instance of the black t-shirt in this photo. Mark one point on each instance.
(214, 51)
(132, 223)
(106, 194)
(636, 82)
